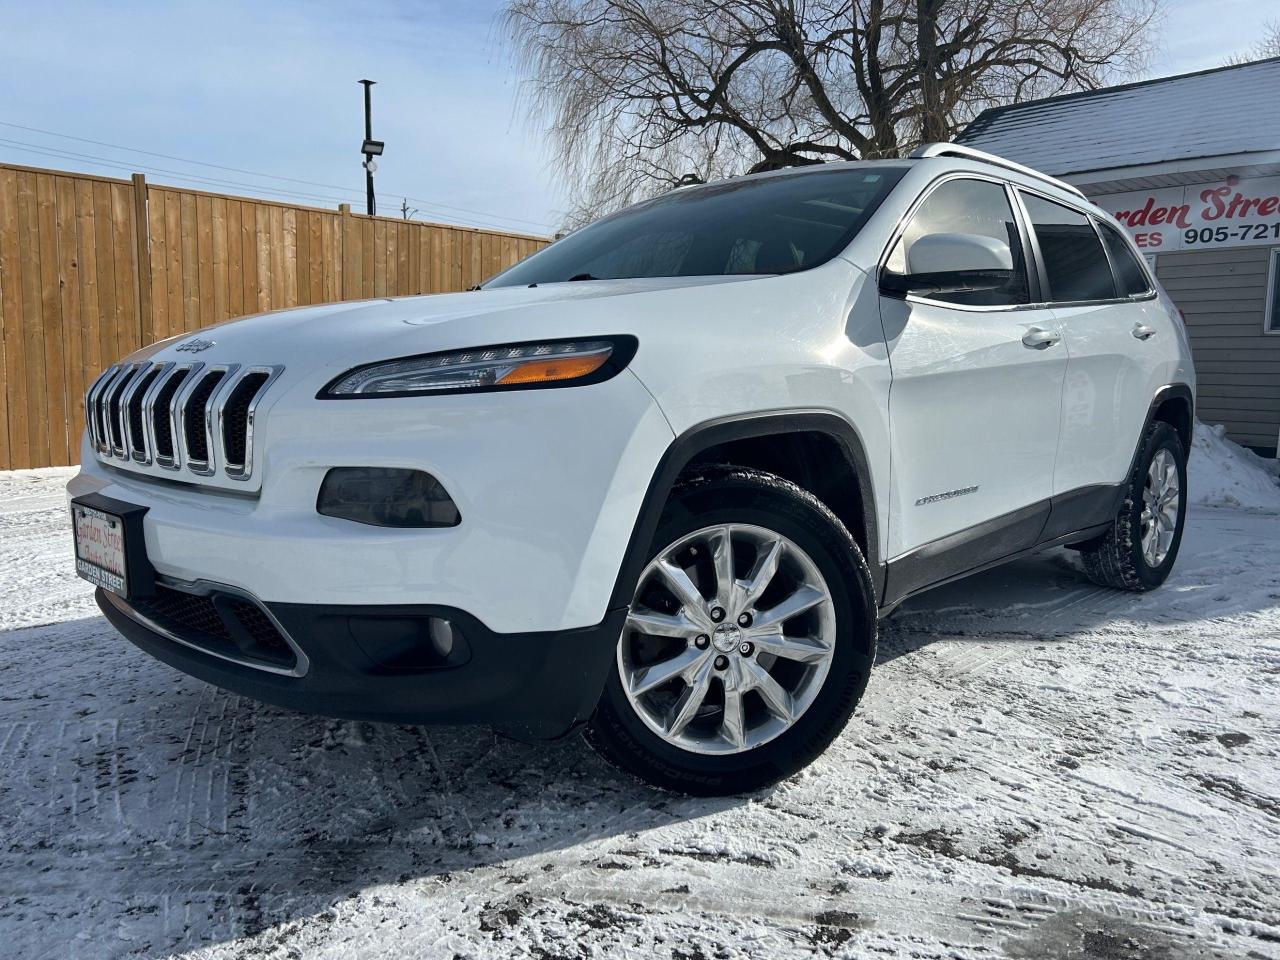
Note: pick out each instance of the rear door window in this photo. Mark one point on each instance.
(1073, 257)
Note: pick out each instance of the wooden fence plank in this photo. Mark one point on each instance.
(289, 248)
(74, 373)
(262, 244)
(177, 311)
(204, 251)
(190, 263)
(16, 452)
(124, 250)
(220, 295)
(142, 259)
(279, 282)
(369, 258)
(158, 258)
(51, 318)
(235, 262)
(33, 319)
(87, 251)
(249, 256)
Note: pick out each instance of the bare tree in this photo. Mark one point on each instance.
(1268, 46)
(646, 94)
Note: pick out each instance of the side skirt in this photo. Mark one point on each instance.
(1072, 517)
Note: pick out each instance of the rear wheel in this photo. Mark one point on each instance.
(748, 643)
(1139, 550)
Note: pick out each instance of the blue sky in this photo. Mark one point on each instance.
(271, 87)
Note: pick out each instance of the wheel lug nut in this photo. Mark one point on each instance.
(702, 641)
(717, 614)
(744, 620)
(746, 649)
(722, 662)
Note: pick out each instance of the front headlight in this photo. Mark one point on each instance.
(520, 366)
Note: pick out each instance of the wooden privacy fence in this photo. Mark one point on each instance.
(93, 268)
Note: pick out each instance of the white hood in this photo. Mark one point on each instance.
(342, 335)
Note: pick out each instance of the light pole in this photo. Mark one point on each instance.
(370, 148)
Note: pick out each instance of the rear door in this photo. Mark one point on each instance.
(975, 402)
(1119, 342)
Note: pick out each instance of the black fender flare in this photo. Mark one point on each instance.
(1170, 391)
(710, 433)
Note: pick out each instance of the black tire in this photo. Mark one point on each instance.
(1116, 559)
(737, 495)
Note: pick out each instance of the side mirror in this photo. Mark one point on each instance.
(952, 261)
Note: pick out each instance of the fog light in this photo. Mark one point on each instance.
(441, 632)
(386, 497)
(409, 643)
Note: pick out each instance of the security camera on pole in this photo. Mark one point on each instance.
(370, 148)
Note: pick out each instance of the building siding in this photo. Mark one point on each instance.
(1223, 294)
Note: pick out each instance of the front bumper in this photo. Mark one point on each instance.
(533, 686)
(548, 483)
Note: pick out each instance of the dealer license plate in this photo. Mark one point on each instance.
(100, 553)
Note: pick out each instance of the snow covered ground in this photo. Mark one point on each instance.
(1041, 768)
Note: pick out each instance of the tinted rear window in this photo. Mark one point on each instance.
(1130, 277)
(1073, 256)
(763, 225)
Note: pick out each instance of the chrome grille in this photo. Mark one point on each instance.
(183, 417)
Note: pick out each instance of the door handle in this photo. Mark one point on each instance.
(1038, 339)
(1143, 332)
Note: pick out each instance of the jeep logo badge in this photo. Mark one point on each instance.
(194, 346)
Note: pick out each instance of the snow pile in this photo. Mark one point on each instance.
(1224, 474)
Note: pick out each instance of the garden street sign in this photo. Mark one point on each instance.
(1230, 213)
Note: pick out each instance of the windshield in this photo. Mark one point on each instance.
(756, 225)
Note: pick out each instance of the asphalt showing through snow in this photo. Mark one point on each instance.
(1041, 768)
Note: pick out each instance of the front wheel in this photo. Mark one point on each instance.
(748, 643)
(1139, 550)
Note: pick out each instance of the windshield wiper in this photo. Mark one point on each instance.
(581, 276)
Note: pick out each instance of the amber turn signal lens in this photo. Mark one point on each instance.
(556, 368)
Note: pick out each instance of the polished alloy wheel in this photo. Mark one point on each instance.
(729, 639)
(1160, 501)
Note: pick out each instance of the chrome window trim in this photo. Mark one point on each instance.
(243, 471)
(204, 588)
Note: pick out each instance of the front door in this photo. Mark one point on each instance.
(975, 402)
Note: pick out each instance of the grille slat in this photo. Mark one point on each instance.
(236, 419)
(137, 443)
(162, 416)
(115, 426)
(92, 409)
(195, 432)
(185, 417)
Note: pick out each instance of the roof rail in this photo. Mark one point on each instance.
(968, 153)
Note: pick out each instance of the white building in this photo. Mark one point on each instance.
(1191, 164)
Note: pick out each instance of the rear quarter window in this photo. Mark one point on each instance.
(1130, 277)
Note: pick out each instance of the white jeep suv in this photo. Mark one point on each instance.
(659, 480)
